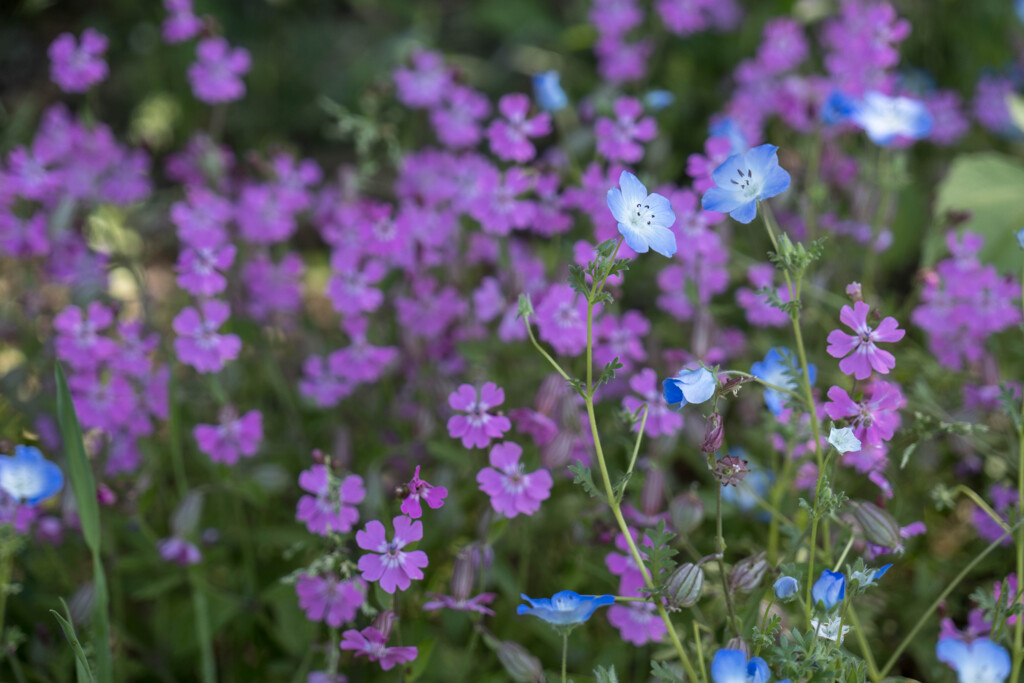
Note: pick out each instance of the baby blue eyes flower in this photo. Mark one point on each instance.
(731, 666)
(644, 219)
(656, 100)
(727, 128)
(548, 91)
(785, 587)
(869, 576)
(1020, 234)
(29, 477)
(744, 179)
(829, 589)
(779, 367)
(980, 661)
(689, 386)
(885, 118)
(565, 608)
(843, 440)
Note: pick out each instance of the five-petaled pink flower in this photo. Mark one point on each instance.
(328, 510)
(875, 418)
(478, 427)
(512, 491)
(619, 140)
(216, 75)
(198, 343)
(422, 490)
(326, 599)
(861, 354)
(387, 562)
(373, 644)
(510, 137)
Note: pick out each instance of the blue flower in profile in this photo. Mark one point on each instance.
(829, 590)
(780, 367)
(731, 666)
(29, 477)
(980, 661)
(656, 100)
(785, 587)
(689, 386)
(726, 127)
(1020, 233)
(869, 576)
(547, 90)
(565, 608)
(743, 180)
(644, 219)
(886, 118)
(837, 108)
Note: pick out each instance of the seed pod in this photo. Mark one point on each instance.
(463, 575)
(738, 644)
(519, 663)
(878, 526)
(652, 496)
(687, 512)
(746, 574)
(714, 434)
(685, 585)
(384, 622)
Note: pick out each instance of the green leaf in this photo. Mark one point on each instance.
(1015, 103)
(79, 469)
(660, 553)
(605, 675)
(419, 665)
(666, 672)
(84, 673)
(585, 479)
(619, 488)
(525, 307)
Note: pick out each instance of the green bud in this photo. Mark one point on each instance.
(746, 574)
(687, 512)
(519, 663)
(685, 585)
(878, 526)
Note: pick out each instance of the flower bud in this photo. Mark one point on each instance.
(785, 587)
(384, 621)
(463, 575)
(853, 290)
(685, 585)
(186, 515)
(686, 511)
(878, 526)
(652, 496)
(738, 644)
(714, 434)
(746, 574)
(519, 663)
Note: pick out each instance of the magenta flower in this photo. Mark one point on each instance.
(234, 437)
(425, 84)
(198, 344)
(178, 551)
(201, 219)
(510, 137)
(861, 353)
(562, 320)
(78, 341)
(326, 599)
(76, 66)
(619, 140)
(387, 563)
(332, 507)
(638, 622)
(661, 419)
(200, 271)
(216, 75)
(352, 289)
(875, 418)
(512, 491)
(457, 120)
(273, 288)
(181, 24)
(422, 490)
(477, 427)
(372, 643)
(476, 604)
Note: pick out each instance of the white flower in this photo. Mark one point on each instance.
(830, 628)
(843, 440)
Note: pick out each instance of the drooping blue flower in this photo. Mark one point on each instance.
(744, 179)
(785, 587)
(547, 91)
(644, 220)
(980, 661)
(689, 386)
(656, 100)
(781, 368)
(1020, 233)
(1018, 7)
(885, 118)
(29, 477)
(564, 608)
(731, 666)
(829, 589)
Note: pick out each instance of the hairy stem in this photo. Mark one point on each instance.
(720, 552)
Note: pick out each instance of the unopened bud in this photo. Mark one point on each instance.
(739, 644)
(519, 663)
(186, 515)
(853, 290)
(685, 585)
(746, 574)
(652, 496)
(879, 526)
(463, 575)
(105, 495)
(714, 434)
(686, 511)
(384, 621)
(318, 456)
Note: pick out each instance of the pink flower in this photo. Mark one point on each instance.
(76, 66)
(476, 604)
(478, 427)
(178, 551)
(216, 75)
(200, 269)
(323, 512)
(512, 492)
(875, 418)
(661, 419)
(457, 121)
(371, 643)
(619, 140)
(326, 599)
(422, 490)
(78, 342)
(861, 354)
(198, 344)
(425, 84)
(638, 623)
(181, 24)
(562, 320)
(235, 436)
(510, 137)
(387, 562)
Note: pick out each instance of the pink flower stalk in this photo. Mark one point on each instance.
(476, 604)
(512, 491)
(332, 505)
(477, 427)
(875, 418)
(198, 344)
(371, 643)
(619, 140)
(233, 438)
(76, 66)
(422, 490)
(387, 562)
(216, 75)
(510, 137)
(861, 354)
(662, 420)
(326, 599)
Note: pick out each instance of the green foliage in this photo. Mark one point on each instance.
(669, 673)
(584, 478)
(660, 553)
(604, 674)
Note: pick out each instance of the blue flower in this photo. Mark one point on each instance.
(980, 661)
(564, 608)
(1020, 233)
(689, 386)
(656, 100)
(755, 485)
(731, 666)
(744, 179)
(885, 118)
(644, 219)
(28, 476)
(785, 587)
(548, 91)
(780, 368)
(869, 576)
(726, 127)
(837, 108)
(829, 590)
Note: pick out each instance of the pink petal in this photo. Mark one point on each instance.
(841, 344)
(373, 537)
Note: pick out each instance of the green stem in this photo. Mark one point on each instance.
(565, 652)
(720, 546)
(980, 502)
(6, 565)
(767, 385)
(547, 356)
(865, 649)
(842, 557)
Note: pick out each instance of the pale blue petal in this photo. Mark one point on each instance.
(727, 170)
(952, 652)
(664, 216)
(662, 240)
(745, 213)
(633, 191)
(721, 200)
(636, 240)
(617, 205)
(758, 670)
(762, 159)
(994, 658)
(672, 392)
(775, 183)
(729, 666)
